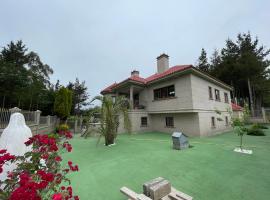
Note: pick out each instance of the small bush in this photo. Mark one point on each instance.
(255, 130)
(62, 127)
(261, 126)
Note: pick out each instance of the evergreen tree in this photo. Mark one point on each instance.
(62, 103)
(244, 65)
(203, 64)
(80, 95)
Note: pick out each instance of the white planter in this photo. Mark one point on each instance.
(245, 151)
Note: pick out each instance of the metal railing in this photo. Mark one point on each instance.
(4, 117)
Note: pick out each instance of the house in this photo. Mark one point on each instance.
(237, 111)
(179, 98)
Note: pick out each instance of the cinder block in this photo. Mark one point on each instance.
(147, 185)
(160, 190)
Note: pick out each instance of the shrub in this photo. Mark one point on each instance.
(261, 126)
(62, 127)
(255, 130)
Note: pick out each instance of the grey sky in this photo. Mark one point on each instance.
(102, 41)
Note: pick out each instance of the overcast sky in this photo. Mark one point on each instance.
(103, 41)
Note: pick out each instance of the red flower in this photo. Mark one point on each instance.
(58, 158)
(3, 151)
(76, 198)
(69, 189)
(57, 196)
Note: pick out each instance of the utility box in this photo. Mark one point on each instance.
(180, 141)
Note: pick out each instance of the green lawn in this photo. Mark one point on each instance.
(208, 171)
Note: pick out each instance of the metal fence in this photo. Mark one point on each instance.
(37, 123)
(30, 117)
(4, 117)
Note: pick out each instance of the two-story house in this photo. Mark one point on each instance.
(179, 98)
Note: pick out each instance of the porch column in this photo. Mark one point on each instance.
(131, 97)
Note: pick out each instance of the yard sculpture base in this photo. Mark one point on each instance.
(156, 189)
(245, 151)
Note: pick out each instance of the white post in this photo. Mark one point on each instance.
(37, 119)
(264, 115)
(81, 120)
(75, 125)
(49, 120)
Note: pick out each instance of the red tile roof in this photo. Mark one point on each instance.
(109, 88)
(236, 107)
(154, 77)
(171, 70)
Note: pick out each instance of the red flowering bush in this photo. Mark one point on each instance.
(39, 174)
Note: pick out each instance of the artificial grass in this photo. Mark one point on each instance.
(208, 171)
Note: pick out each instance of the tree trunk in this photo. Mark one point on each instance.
(250, 98)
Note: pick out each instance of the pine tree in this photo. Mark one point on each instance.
(203, 64)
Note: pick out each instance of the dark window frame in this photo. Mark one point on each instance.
(164, 92)
(169, 122)
(217, 95)
(226, 97)
(210, 92)
(144, 121)
(213, 122)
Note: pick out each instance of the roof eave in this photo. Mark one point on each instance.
(211, 78)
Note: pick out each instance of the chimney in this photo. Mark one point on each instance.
(135, 73)
(162, 63)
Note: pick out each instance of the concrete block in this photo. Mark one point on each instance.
(160, 190)
(147, 185)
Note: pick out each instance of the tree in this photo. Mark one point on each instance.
(13, 74)
(239, 124)
(110, 112)
(62, 103)
(244, 65)
(215, 60)
(24, 78)
(79, 97)
(203, 64)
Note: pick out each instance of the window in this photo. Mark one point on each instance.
(217, 95)
(213, 122)
(210, 92)
(143, 121)
(165, 92)
(226, 121)
(169, 122)
(226, 98)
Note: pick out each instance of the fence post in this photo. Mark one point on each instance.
(264, 115)
(15, 109)
(37, 119)
(75, 125)
(49, 120)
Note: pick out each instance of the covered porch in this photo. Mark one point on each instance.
(131, 92)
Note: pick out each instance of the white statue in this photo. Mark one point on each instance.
(13, 139)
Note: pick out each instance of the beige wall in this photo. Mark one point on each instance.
(238, 114)
(181, 101)
(188, 123)
(200, 95)
(205, 124)
(135, 118)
